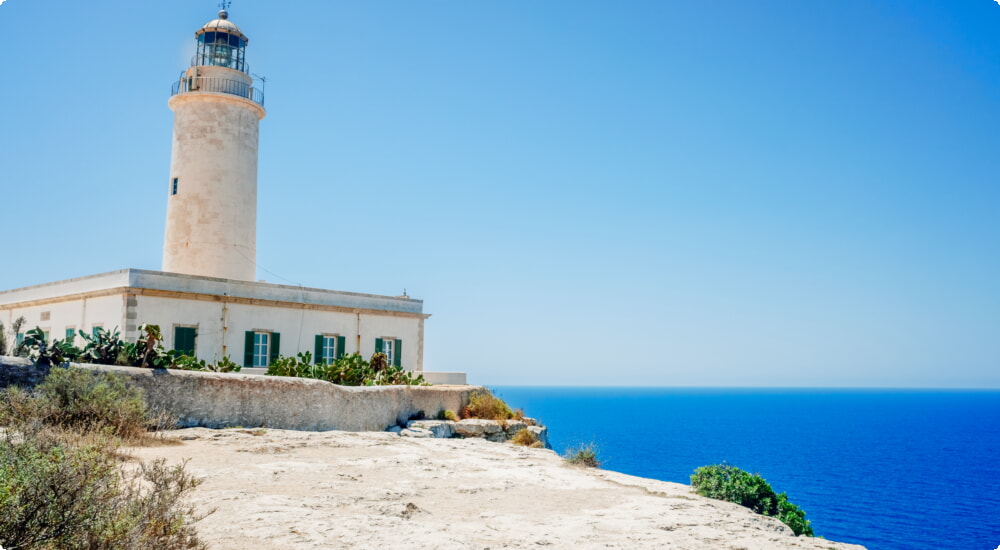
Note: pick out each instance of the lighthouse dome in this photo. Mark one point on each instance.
(222, 24)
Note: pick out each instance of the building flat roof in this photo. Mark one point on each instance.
(176, 282)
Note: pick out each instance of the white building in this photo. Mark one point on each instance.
(205, 300)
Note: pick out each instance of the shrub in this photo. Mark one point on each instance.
(8, 339)
(59, 490)
(61, 480)
(527, 438)
(78, 399)
(483, 404)
(729, 483)
(584, 455)
(379, 361)
(349, 370)
(225, 365)
(446, 414)
(102, 347)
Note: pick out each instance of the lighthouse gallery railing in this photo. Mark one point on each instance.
(220, 86)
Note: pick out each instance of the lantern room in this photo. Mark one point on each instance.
(221, 44)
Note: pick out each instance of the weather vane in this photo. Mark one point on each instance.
(225, 5)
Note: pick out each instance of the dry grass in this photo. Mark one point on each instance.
(483, 404)
(527, 438)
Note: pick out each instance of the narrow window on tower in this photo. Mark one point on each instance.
(173, 187)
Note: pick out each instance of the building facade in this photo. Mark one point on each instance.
(210, 318)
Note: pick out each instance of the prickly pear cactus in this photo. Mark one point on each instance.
(379, 362)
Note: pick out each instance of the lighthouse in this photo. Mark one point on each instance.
(211, 228)
(206, 299)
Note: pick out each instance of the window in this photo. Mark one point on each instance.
(173, 187)
(94, 329)
(329, 351)
(260, 341)
(329, 347)
(20, 339)
(392, 348)
(184, 340)
(70, 334)
(261, 348)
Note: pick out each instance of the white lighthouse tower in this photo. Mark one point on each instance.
(212, 206)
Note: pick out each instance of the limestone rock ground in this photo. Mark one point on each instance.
(299, 490)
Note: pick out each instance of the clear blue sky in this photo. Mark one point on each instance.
(772, 193)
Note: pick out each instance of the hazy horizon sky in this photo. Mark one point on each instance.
(682, 193)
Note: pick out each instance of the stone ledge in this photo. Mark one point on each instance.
(491, 430)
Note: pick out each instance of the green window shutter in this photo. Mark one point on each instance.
(397, 354)
(378, 345)
(318, 348)
(248, 349)
(341, 344)
(70, 334)
(184, 340)
(275, 347)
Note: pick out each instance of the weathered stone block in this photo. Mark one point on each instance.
(514, 426)
(440, 428)
(416, 432)
(477, 427)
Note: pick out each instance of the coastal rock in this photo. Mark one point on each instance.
(416, 432)
(440, 428)
(542, 434)
(513, 426)
(477, 427)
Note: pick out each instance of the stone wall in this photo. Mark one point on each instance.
(215, 400)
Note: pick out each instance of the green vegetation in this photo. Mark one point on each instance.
(61, 481)
(583, 455)
(446, 414)
(8, 338)
(483, 404)
(729, 483)
(105, 347)
(79, 400)
(349, 370)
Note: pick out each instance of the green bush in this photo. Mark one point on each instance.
(60, 490)
(729, 483)
(79, 399)
(583, 455)
(62, 485)
(349, 370)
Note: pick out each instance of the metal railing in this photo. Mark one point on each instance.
(231, 61)
(219, 86)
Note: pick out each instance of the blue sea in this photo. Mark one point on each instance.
(889, 469)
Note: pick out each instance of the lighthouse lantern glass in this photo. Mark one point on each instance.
(221, 49)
